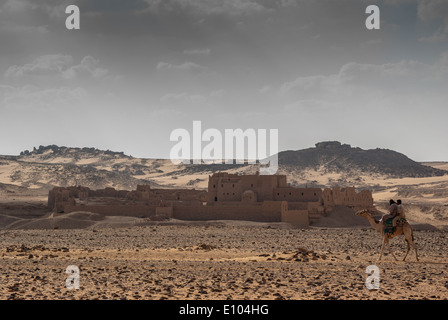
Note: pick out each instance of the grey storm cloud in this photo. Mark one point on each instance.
(59, 66)
(150, 66)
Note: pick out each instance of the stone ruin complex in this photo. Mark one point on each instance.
(264, 198)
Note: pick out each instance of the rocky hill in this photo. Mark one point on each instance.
(49, 166)
(336, 157)
(329, 163)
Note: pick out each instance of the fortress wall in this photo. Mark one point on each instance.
(229, 191)
(327, 197)
(297, 194)
(268, 212)
(193, 213)
(250, 213)
(193, 203)
(256, 212)
(51, 199)
(179, 194)
(297, 205)
(122, 194)
(281, 181)
(266, 198)
(165, 211)
(274, 205)
(347, 197)
(107, 192)
(112, 210)
(365, 198)
(344, 196)
(264, 191)
(230, 187)
(315, 207)
(212, 188)
(143, 188)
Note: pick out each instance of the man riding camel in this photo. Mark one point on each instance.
(400, 209)
(393, 211)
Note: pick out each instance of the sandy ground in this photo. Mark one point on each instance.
(218, 260)
(134, 258)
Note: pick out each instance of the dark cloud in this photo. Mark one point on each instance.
(150, 66)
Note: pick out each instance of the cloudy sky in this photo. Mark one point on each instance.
(138, 69)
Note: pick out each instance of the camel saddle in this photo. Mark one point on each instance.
(389, 227)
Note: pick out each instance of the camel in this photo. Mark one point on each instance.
(405, 230)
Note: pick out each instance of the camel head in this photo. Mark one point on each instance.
(362, 213)
(366, 214)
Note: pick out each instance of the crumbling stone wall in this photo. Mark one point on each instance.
(229, 196)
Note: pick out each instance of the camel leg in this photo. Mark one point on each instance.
(390, 251)
(415, 248)
(382, 248)
(410, 240)
(407, 249)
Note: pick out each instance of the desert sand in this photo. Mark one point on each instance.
(134, 258)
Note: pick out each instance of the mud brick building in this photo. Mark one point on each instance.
(264, 198)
